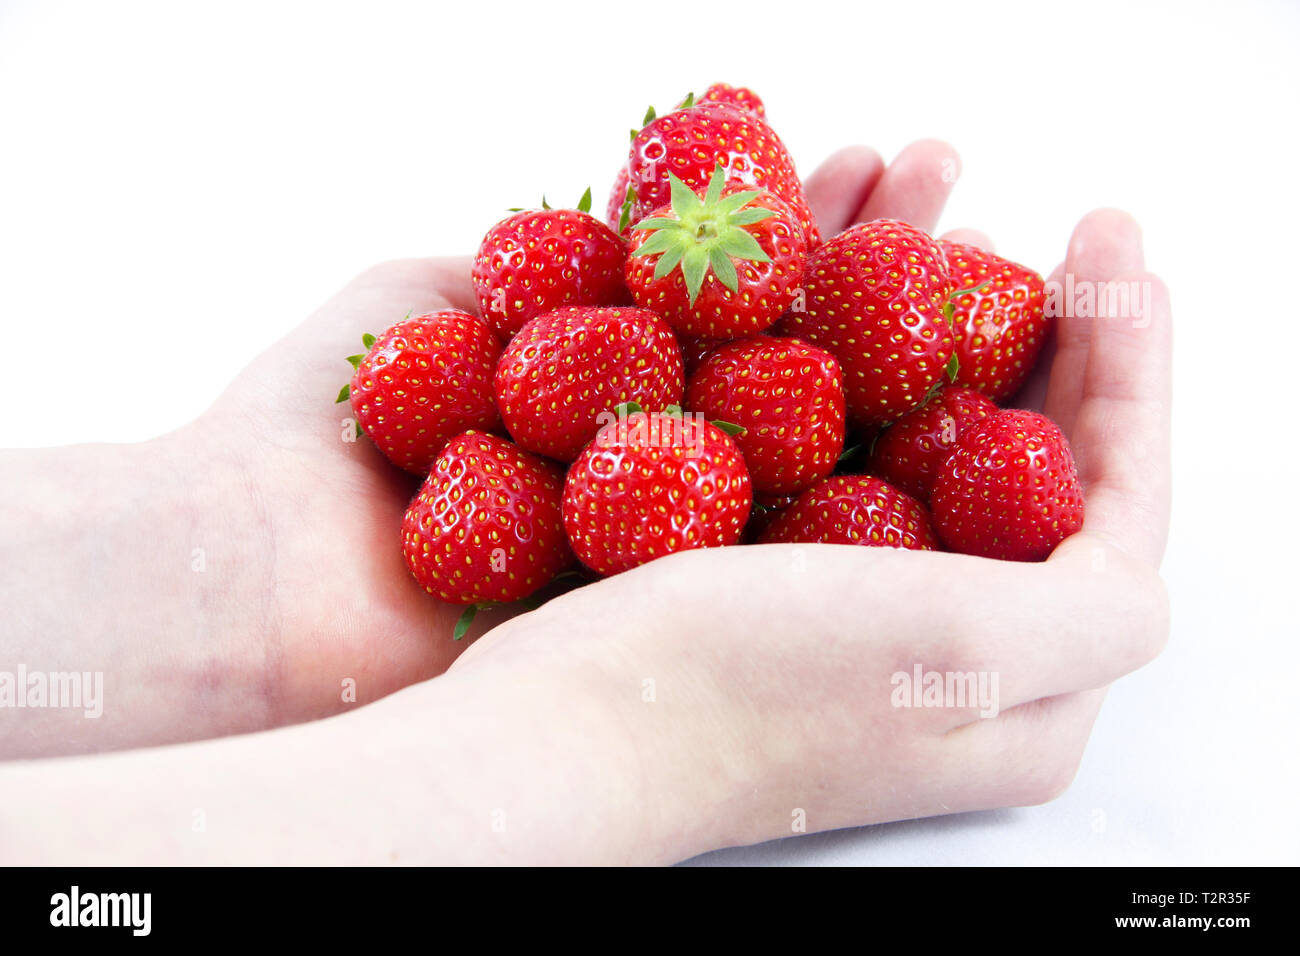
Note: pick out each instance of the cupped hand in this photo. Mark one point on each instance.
(339, 605)
(756, 688)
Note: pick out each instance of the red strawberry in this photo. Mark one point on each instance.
(998, 328)
(651, 485)
(540, 260)
(486, 525)
(618, 210)
(691, 142)
(787, 396)
(854, 509)
(717, 263)
(910, 452)
(619, 197)
(767, 508)
(565, 368)
(425, 379)
(875, 300)
(695, 351)
(739, 97)
(1009, 490)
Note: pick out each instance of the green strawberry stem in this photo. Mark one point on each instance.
(704, 234)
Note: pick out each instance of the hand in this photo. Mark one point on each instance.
(771, 666)
(704, 700)
(269, 548)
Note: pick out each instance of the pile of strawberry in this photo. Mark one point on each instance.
(685, 375)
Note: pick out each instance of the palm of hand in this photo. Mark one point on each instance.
(348, 607)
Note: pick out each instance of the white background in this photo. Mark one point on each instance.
(181, 183)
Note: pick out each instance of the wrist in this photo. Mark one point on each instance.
(113, 579)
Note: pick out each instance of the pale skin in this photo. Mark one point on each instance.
(769, 667)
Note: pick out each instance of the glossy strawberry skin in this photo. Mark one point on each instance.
(998, 330)
(695, 351)
(767, 508)
(424, 380)
(1009, 490)
(542, 260)
(788, 396)
(738, 97)
(614, 208)
(651, 485)
(854, 509)
(874, 299)
(764, 290)
(565, 368)
(487, 524)
(691, 143)
(910, 452)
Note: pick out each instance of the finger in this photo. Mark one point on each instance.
(838, 187)
(1026, 755)
(969, 237)
(915, 186)
(1043, 629)
(1078, 623)
(312, 357)
(383, 294)
(1105, 243)
(1121, 436)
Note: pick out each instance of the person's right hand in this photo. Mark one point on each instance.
(742, 687)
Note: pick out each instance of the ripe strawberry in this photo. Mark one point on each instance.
(854, 509)
(691, 142)
(788, 397)
(998, 326)
(425, 379)
(739, 97)
(486, 525)
(1009, 490)
(767, 508)
(910, 452)
(653, 484)
(875, 300)
(717, 263)
(695, 351)
(542, 259)
(618, 211)
(620, 197)
(565, 368)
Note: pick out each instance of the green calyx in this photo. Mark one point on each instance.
(628, 409)
(651, 115)
(704, 234)
(354, 360)
(625, 214)
(584, 204)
